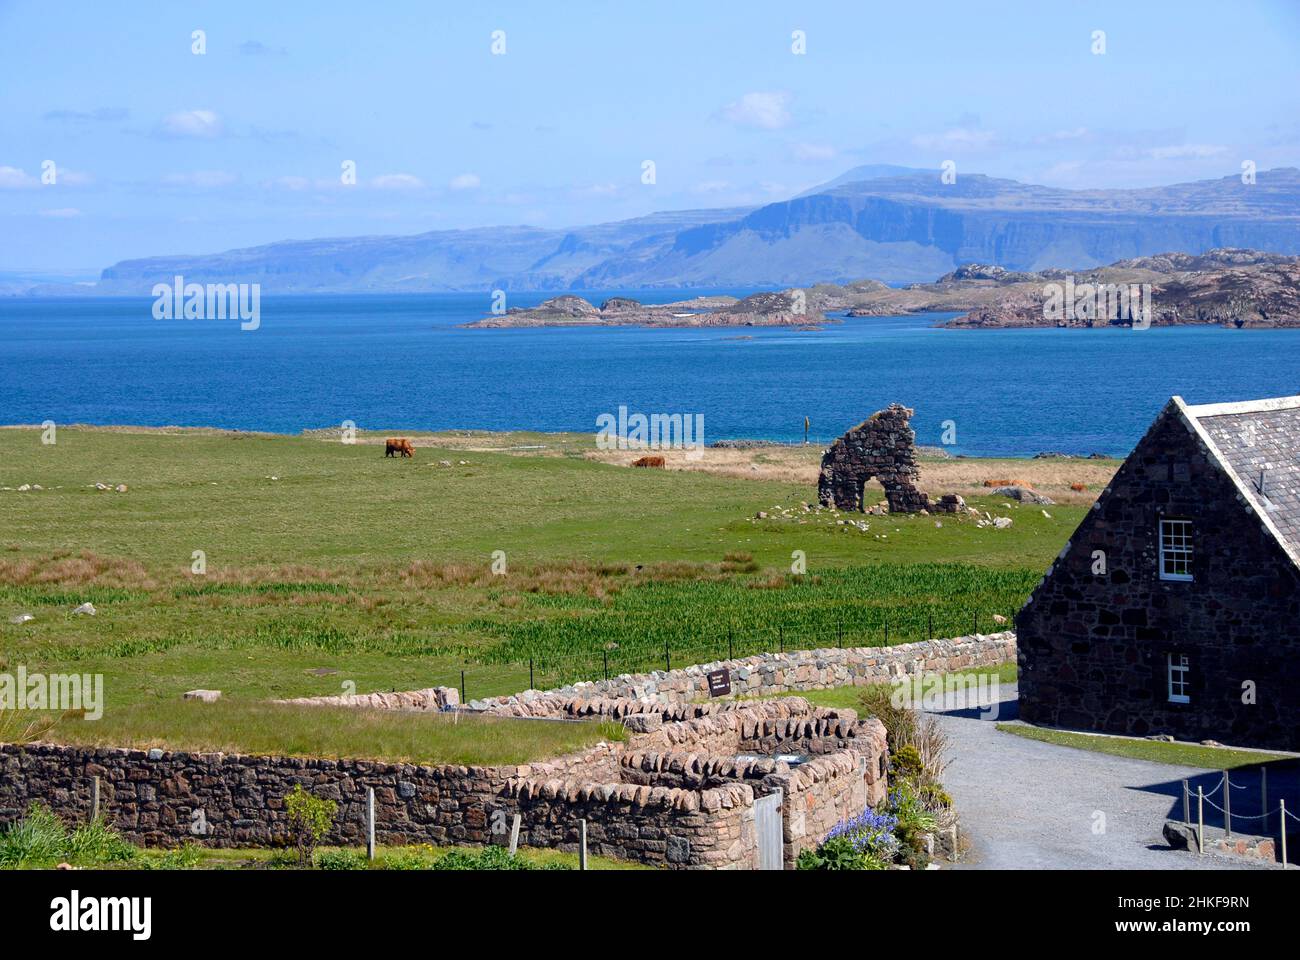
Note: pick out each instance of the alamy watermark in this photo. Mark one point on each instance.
(939, 692)
(213, 301)
(656, 431)
(53, 691)
(1106, 302)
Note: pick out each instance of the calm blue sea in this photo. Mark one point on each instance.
(403, 362)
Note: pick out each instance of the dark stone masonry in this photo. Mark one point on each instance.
(1200, 638)
(882, 447)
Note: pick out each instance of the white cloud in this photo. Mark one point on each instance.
(958, 138)
(1064, 136)
(1186, 151)
(397, 181)
(294, 183)
(12, 178)
(765, 110)
(203, 124)
(712, 186)
(596, 190)
(62, 213)
(204, 179)
(813, 152)
(465, 181)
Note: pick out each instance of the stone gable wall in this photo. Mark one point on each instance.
(1093, 648)
(882, 447)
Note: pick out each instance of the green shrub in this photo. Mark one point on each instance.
(917, 746)
(283, 859)
(341, 860)
(96, 842)
(310, 819)
(405, 861)
(186, 857)
(489, 858)
(39, 838)
(906, 764)
(914, 823)
(877, 700)
(935, 797)
(613, 731)
(838, 853)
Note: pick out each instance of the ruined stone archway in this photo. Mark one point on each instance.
(882, 447)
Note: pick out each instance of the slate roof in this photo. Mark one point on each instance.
(1257, 442)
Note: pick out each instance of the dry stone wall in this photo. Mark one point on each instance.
(693, 809)
(765, 674)
(679, 793)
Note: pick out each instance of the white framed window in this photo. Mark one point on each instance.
(1175, 549)
(1179, 684)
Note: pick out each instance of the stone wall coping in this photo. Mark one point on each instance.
(722, 797)
(908, 657)
(361, 767)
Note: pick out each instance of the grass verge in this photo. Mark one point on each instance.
(1157, 751)
(301, 731)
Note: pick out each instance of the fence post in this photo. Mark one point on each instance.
(839, 635)
(605, 656)
(94, 799)
(532, 685)
(1187, 804)
(780, 629)
(668, 665)
(1227, 805)
(1263, 796)
(462, 687)
(731, 653)
(370, 824)
(1200, 819)
(930, 618)
(886, 630)
(1283, 819)
(582, 844)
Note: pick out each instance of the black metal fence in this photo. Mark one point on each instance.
(481, 680)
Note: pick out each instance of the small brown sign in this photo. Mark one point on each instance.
(719, 682)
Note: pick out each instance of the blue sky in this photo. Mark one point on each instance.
(158, 150)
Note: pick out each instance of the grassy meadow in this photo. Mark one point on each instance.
(329, 568)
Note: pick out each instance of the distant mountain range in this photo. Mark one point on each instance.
(893, 223)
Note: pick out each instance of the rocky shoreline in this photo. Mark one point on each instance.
(1228, 287)
(568, 310)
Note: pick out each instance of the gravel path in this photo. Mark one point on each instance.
(1031, 805)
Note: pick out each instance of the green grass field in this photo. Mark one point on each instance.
(352, 571)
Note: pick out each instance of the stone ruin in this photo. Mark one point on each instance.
(882, 447)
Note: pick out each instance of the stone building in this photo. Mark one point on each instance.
(882, 447)
(1175, 606)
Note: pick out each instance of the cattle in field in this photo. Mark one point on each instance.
(649, 462)
(394, 446)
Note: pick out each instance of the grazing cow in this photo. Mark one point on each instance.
(398, 445)
(649, 462)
